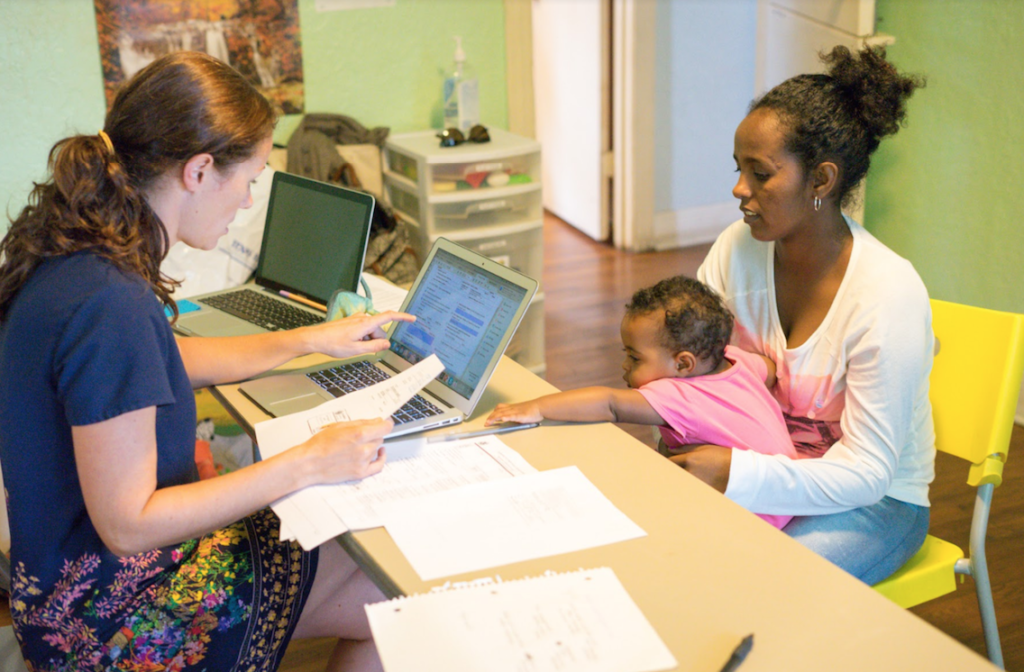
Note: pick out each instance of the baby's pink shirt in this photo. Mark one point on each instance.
(733, 408)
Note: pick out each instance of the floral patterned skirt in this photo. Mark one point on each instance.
(228, 601)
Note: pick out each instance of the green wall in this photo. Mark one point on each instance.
(382, 66)
(945, 192)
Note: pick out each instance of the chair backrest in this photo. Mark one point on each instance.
(975, 382)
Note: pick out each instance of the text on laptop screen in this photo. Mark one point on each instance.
(462, 312)
(305, 212)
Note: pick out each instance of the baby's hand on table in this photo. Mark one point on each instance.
(527, 411)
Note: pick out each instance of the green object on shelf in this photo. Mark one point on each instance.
(519, 178)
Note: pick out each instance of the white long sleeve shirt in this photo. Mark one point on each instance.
(864, 373)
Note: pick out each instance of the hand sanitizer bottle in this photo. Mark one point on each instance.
(461, 95)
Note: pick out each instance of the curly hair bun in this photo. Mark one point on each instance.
(871, 89)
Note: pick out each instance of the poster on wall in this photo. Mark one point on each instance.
(259, 38)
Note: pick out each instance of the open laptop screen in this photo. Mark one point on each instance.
(462, 313)
(315, 238)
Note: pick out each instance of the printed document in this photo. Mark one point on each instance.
(415, 467)
(305, 515)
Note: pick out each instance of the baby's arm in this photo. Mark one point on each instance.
(589, 404)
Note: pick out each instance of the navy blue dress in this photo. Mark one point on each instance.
(84, 342)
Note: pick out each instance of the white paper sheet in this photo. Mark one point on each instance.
(305, 515)
(577, 622)
(306, 519)
(415, 467)
(500, 522)
(386, 295)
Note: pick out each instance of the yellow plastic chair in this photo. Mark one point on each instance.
(975, 383)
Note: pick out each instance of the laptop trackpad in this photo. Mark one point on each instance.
(215, 322)
(284, 394)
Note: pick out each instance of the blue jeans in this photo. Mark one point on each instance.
(871, 542)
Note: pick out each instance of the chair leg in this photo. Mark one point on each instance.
(979, 570)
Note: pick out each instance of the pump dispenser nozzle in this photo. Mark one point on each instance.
(460, 55)
(461, 97)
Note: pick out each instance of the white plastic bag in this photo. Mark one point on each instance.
(234, 259)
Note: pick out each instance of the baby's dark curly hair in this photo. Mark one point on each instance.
(696, 319)
(842, 115)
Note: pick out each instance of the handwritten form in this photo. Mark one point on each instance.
(305, 514)
(577, 622)
(500, 522)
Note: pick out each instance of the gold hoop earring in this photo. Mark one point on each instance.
(817, 204)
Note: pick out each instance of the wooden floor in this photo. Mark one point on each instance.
(586, 285)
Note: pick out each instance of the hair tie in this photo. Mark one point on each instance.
(106, 141)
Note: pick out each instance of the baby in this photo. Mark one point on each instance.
(683, 377)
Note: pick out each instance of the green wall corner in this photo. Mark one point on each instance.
(945, 192)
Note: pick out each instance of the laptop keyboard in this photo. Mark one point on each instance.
(262, 310)
(346, 378)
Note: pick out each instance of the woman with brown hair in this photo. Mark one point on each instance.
(121, 558)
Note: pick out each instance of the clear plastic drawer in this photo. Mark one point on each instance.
(488, 174)
(504, 209)
(405, 202)
(519, 247)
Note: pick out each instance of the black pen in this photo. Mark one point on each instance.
(739, 653)
(454, 436)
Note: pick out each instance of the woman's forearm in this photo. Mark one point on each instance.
(173, 515)
(214, 361)
(131, 514)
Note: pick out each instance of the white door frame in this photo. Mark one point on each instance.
(519, 67)
(633, 26)
(633, 58)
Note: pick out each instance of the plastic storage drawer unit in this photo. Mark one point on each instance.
(486, 197)
(514, 246)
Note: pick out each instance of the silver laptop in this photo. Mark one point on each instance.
(314, 243)
(467, 307)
